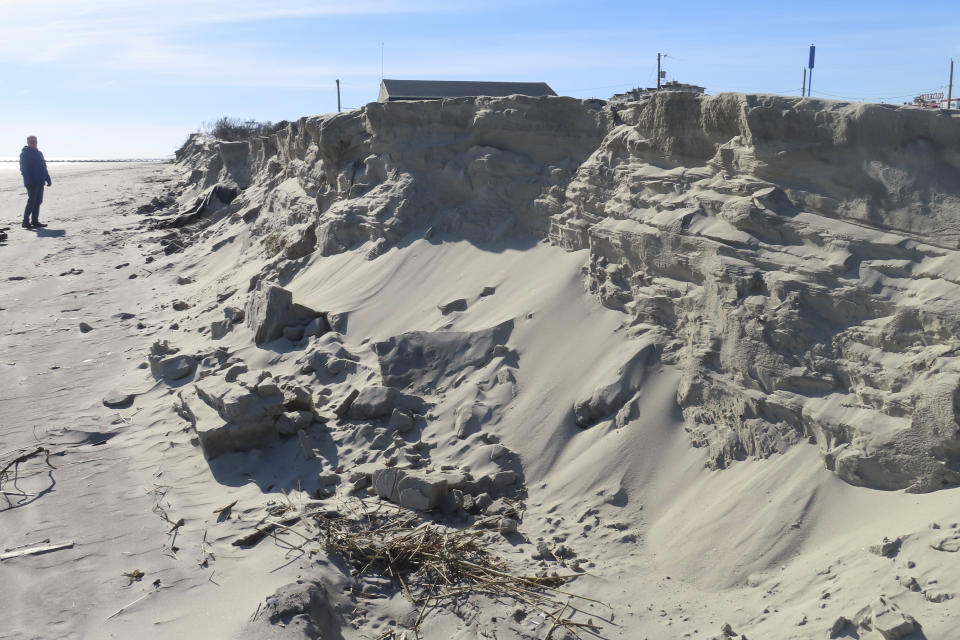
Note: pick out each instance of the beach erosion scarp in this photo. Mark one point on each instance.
(690, 360)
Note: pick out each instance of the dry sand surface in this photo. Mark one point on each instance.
(683, 368)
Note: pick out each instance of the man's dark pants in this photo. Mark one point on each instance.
(34, 197)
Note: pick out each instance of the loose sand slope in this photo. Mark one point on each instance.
(698, 352)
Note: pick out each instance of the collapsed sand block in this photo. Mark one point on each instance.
(425, 491)
(373, 402)
(401, 421)
(613, 399)
(291, 422)
(243, 415)
(468, 419)
(220, 328)
(887, 619)
(244, 406)
(302, 609)
(216, 436)
(271, 309)
(165, 365)
(173, 368)
(300, 242)
(413, 491)
(377, 402)
(420, 359)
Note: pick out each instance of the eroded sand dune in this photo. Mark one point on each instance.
(697, 351)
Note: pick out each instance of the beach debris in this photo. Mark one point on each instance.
(226, 508)
(156, 587)
(134, 576)
(84, 327)
(432, 563)
(33, 551)
(9, 471)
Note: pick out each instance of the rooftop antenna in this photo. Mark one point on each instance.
(381, 60)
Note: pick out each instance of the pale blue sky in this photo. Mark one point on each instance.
(123, 78)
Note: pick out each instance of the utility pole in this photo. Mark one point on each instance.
(803, 87)
(950, 90)
(658, 71)
(338, 95)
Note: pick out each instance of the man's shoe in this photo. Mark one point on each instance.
(37, 224)
(27, 225)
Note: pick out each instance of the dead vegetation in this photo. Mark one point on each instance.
(430, 563)
(10, 469)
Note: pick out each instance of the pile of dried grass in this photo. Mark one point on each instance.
(432, 563)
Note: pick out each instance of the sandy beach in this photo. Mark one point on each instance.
(689, 366)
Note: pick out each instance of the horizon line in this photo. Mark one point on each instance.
(133, 159)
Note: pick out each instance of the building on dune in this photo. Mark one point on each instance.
(392, 90)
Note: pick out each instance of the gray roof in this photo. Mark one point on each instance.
(437, 89)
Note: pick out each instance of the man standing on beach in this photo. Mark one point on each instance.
(34, 170)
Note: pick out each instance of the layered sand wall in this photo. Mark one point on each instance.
(796, 259)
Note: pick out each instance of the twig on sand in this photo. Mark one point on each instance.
(29, 544)
(32, 551)
(226, 508)
(556, 621)
(124, 608)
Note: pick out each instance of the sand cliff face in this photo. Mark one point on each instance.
(795, 259)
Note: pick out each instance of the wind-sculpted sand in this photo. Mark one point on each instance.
(496, 368)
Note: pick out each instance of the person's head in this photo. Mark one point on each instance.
(32, 142)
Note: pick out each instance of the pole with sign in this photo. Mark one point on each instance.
(813, 53)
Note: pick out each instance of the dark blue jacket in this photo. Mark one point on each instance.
(33, 167)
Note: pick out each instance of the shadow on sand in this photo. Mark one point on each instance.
(49, 233)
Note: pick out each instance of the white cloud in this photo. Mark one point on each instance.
(56, 29)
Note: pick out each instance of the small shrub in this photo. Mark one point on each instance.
(232, 129)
